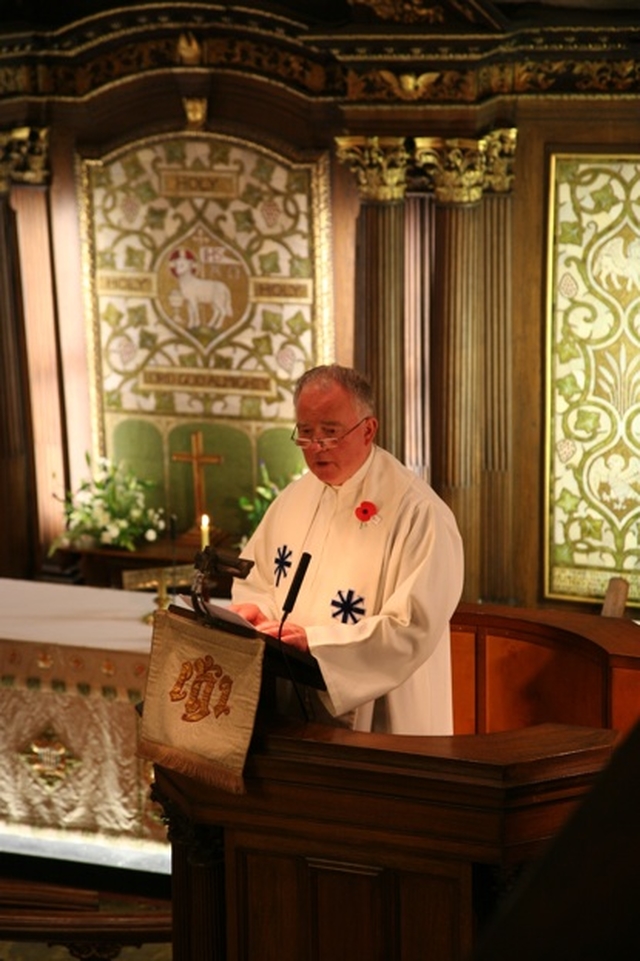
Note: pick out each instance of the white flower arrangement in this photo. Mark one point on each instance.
(109, 510)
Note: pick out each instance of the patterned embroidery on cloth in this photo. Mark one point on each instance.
(348, 607)
(282, 562)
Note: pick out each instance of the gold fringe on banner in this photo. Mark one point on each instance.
(201, 700)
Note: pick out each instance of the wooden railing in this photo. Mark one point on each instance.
(514, 667)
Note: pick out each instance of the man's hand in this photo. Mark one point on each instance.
(250, 612)
(292, 634)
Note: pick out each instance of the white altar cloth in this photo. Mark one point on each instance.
(97, 617)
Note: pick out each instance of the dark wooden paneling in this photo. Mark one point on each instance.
(351, 845)
(515, 667)
(17, 489)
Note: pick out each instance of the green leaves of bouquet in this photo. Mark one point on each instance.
(109, 509)
(265, 493)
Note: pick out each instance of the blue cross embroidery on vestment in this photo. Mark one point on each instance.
(348, 607)
(282, 562)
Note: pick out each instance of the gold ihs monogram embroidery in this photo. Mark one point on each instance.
(196, 683)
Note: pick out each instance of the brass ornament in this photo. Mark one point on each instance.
(379, 164)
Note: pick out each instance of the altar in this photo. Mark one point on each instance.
(73, 667)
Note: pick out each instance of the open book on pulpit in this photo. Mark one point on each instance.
(204, 685)
(281, 660)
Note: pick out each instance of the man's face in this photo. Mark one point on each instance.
(328, 410)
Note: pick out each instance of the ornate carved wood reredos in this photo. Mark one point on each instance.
(438, 117)
(416, 54)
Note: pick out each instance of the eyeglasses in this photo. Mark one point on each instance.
(324, 443)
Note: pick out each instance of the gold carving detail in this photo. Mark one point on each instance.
(460, 170)
(409, 86)
(379, 164)
(406, 11)
(500, 156)
(585, 76)
(599, 77)
(195, 109)
(24, 156)
(454, 167)
(535, 63)
(56, 80)
(432, 86)
(189, 50)
(417, 11)
(293, 69)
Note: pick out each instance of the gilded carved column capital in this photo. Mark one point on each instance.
(24, 156)
(460, 170)
(455, 167)
(501, 152)
(379, 164)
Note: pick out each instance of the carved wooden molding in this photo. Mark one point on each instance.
(405, 11)
(474, 52)
(433, 13)
(204, 844)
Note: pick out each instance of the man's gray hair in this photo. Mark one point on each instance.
(352, 381)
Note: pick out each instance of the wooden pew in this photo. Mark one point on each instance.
(88, 923)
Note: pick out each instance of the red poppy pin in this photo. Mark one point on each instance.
(365, 511)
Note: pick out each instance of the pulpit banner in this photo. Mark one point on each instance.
(201, 700)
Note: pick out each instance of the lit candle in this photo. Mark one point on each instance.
(204, 531)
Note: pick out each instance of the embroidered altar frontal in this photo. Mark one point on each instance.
(68, 737)
(67, 758)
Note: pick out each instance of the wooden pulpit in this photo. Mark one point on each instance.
(346, 846)
(351, 846)
(580, 901)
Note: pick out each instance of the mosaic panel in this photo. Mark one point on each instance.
(207, 278)
(593, 377)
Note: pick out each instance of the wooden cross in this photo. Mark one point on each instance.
(198, 459)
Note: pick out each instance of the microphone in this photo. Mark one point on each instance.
(296, 584)
(292, 596)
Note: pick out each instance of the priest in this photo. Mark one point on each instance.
(385, 568)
